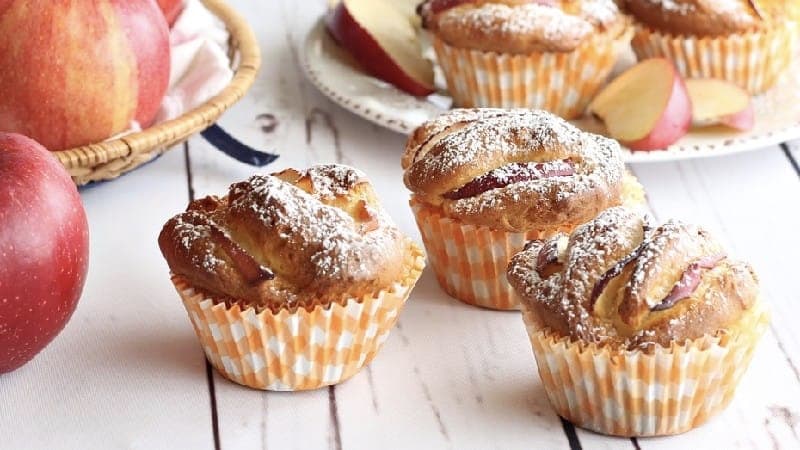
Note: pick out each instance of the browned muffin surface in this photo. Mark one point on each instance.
(294, 238)
(619, 281)
(513, 170)
(521, 26)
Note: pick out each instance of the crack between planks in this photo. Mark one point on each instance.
(372, 391)
(264, 422)
(572, 435)
(315, 114)
(783, 350)
(336, 435)
(427, 393)
(212, 393)
(786, 151)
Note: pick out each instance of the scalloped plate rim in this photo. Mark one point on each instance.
(312, 68)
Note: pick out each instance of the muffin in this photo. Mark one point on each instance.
(638, 330)
(293, 280)
(484, 181)
(747, 42)
(548, 54)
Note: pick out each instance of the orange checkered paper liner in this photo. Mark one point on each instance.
(562, 83)
(633, 393)
(470, 261)
(754, 61)
(299, 350)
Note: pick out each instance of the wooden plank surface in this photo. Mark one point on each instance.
(127, 371)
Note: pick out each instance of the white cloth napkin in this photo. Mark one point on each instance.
(200, 64)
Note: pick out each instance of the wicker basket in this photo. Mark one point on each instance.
(110, 159)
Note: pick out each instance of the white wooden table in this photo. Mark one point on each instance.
(127, 371)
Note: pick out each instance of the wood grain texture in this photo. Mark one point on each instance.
(127, 371)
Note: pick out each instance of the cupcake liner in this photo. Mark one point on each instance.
(300, 350)
(470, 261)
(562, 83)
(754, 61)
(634, 393)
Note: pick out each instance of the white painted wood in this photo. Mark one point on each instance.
(126, 372)
(749, 201)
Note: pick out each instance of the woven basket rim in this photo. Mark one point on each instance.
(160, 137)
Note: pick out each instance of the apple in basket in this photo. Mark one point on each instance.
(172, 9)
(74, 73)
(44, 249)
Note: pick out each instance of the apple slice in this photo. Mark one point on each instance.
(647, 107)
(720, 102)
(384, 42)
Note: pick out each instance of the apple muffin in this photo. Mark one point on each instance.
(654, 325)
(544, 54)
(747, 42)
(292, 280)
(484, 181)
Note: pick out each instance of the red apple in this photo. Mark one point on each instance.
(720, 102)
(44, 249)
(383, 40)
(647, 107)
(171, 9)
(74, 73)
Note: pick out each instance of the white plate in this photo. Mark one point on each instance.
(336, 74)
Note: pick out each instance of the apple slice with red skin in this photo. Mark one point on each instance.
(720, 102)
(383, 40)
(510, 174)
(647, 107)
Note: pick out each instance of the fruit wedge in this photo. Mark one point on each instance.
(719, 102)
(647, 107)
(384, 41)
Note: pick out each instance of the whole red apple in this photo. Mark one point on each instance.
(44, 249)
(77, 72)
(172, 9)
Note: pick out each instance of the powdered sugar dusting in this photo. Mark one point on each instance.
(497, 18)
(332, 180)
(667, 263)
(194, 236)
(334, 245)
(518, 135)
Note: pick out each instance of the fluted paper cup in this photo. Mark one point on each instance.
(637, 393)
(296, 350)
(562, 83)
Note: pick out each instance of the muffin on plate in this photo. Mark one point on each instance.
(747, 42)
(484, 181)
(638, 330)
(292, 281)
(545, 54)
